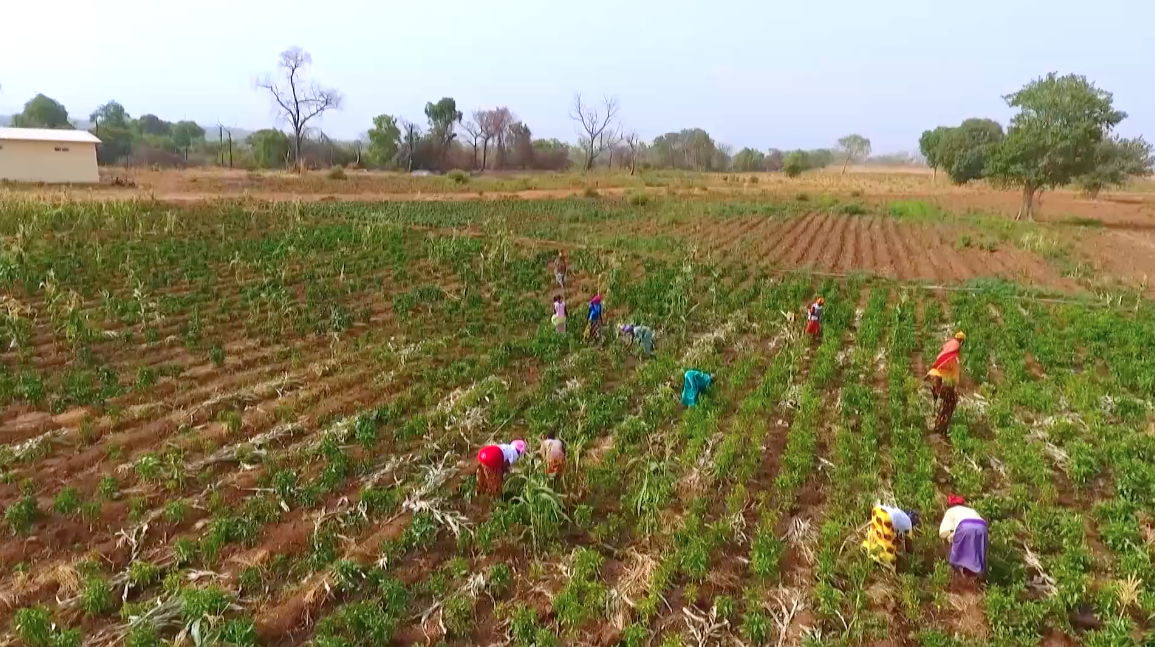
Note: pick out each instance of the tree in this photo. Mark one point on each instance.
(1054, 137)
(475, 132)
(854, 147)
(296, 99)
(111, 114)
(1116, 161)
(962, 151)
(748, 160)
(384, 140)
(42, 112)
(637, 149)
(410, 143)
(494, 124)
(443, 116)
(928, 145)
(270, 148)
(521, 144)
(795, 163)
(153, 125)
(773, 160)
(185, 133)
(591, 124)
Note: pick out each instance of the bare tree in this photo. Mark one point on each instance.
(297, 99)
(495, 125)
(592, 123)
(409, 142)
(635, 144)
(610, 140)
(476, 133)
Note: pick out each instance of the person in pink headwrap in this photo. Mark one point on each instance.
(493, 463)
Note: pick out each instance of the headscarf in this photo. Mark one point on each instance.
(954, 500)
(520, 446)
(914, 517)
(627, 328)
(596, 300)
(960, 335)
(821, 301)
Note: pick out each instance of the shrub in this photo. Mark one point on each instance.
(458, 177)
(753, 179)
(591, 192)
(856, 193)
(637, 199)
(21, 515)
(67, 502)
(96, 597)
(337, 173)
(853, 209)
(802, 197)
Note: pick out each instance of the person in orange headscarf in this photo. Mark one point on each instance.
(814, 318)
(944, 375)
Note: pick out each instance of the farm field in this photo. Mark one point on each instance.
(245, 423)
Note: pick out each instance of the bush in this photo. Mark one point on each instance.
(753, 179)
(802, 197)
(853, 209)
(337, 173)
(793, 166)
(591, 192)
(458, 177)
(638, 199)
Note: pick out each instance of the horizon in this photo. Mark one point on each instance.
(822, 73)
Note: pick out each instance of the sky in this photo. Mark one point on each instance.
(758, 73)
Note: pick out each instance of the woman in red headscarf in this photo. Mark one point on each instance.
(814, 318)
(944, 375)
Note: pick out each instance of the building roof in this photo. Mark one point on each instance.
(48, 135)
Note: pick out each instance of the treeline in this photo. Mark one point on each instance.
(1062, 134)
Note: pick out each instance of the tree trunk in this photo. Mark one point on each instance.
(297, 150)
(1027, 208)
(934, 173)
(845, 163)
(484, 154)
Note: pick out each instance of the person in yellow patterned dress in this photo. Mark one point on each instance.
(888, 527)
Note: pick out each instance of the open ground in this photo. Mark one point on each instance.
(253, 419)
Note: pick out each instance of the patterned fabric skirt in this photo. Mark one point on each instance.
(813, 327)
(948, 400)
(880, 539)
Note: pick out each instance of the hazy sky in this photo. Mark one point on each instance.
(756, 73)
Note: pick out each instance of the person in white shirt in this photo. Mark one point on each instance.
(967, 532)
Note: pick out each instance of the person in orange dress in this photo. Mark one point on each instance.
(944, 376)
(553, 453)
(814, 318)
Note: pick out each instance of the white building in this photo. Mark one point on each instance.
(49, 156)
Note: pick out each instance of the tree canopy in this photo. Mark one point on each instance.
(963, 151)
(42, 112)
(1116, 161)
(853, 147)
(1054, 137)
(384, 140)
(270, 148)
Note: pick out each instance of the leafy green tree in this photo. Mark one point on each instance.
(384, 140)
(928, 145)
(270, 148)
(853, 147)
(962, 152)
(443, 117)
(153, 125)
(185, 134)
(1116, 161)
(42, 112)
(795, 163)
(111, 114)
(748, 160)
(1054, 137)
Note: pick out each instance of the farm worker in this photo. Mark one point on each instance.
(558, 318)
(966, 531)
(594, 320)
(494, 461)
(814, 317)
(643, 334)
(944, 376)
(553, 453)
(696, 382)
(559, 268)
(887, 526)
